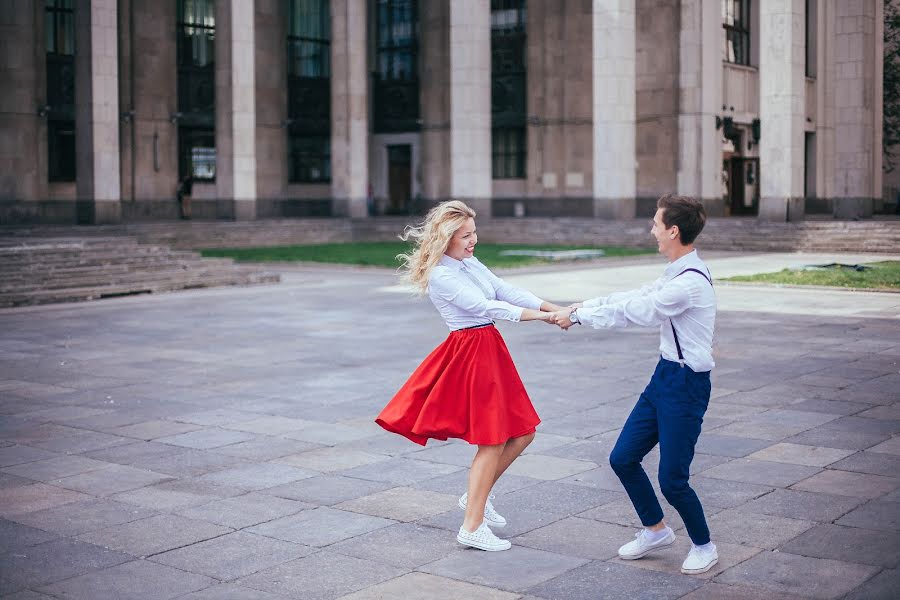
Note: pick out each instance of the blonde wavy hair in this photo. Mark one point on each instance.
(431, 238)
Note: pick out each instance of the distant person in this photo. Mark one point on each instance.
(468, 387)
(185, 188)
(670, 411)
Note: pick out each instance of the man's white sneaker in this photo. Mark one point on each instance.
(482, 538)
(644, 544)
(700, 560)
(493, 518)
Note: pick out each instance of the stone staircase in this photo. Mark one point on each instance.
(55, 268)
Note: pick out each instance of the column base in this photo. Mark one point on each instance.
(853, 208)
(355, 208)
(781, 209)
(230, 209)
(98, 212)
(615, 208)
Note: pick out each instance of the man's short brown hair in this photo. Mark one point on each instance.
(684, 211)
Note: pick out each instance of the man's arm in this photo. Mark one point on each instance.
(645, 310)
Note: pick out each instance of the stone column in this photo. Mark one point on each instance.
(470, 103)
(857, 93)
(349, 109)
(615, 162)
(97, 112)
(699, 172)
(435, 103)
(235, 110)
(782, 109)
(23, 135)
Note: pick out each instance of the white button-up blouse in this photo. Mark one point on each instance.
(466, 294)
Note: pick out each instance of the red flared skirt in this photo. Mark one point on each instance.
(467, 388)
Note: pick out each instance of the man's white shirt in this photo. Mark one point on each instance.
(466, 294)
(688, 300)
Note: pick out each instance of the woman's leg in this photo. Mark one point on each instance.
(511, 451)
(481, 479)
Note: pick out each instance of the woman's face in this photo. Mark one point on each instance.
(462, 244)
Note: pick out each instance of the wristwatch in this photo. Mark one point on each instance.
(573, 316)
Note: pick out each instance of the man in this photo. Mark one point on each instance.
(670, 410)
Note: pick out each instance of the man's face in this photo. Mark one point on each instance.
(666, 239)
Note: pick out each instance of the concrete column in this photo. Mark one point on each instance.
(23, 135)
(97, 112)
(235, 110)
(699, 172)
(435, 102)
(615, 162)
(857, 93)
(782, 110)
(470, 103)
(349, 108)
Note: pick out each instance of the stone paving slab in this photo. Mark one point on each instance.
(250, 453)
(130, 581)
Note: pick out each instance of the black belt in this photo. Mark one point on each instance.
(476, 326)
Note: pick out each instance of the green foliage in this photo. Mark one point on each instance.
(891, 123)
(384, 254)
(882, 275)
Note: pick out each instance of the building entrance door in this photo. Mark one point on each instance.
(399, 179)
(743, 185)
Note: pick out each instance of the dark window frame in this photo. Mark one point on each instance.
(306, 153)
(736, 33)
(391, 46)
(509, 151)
(509, 95)
(59, 19)
(196, 93)
(308, 73)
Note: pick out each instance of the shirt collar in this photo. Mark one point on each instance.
(679, 265)
(450, 262)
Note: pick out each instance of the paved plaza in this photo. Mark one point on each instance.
(219, 445)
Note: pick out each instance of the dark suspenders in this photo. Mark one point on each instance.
(674, 333)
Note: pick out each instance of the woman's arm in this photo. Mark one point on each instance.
(530, 314)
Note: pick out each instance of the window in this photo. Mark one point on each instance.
(396, 40)
(196, 56)
(309, 91)
(508, 151)
(736, 23)
(395, 82)
(309, 159)
(59, 21)
(812, 17)
(508, 92)
(309, 39)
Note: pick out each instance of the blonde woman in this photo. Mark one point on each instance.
(468, 387)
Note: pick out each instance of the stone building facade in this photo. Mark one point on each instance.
(592, 108)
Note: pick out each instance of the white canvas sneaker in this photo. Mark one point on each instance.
(482, 538)
(642, 545)
(493, 518)
(700, 561)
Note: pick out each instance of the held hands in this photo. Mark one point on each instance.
(561, 318)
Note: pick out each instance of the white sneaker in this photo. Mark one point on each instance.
(482, 538)
(493, 518)
(642, 545)
(700, 561)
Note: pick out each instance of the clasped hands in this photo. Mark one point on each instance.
(561, 317)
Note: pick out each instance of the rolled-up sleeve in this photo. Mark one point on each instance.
(640, 309)
(618, 297)
(445, 286)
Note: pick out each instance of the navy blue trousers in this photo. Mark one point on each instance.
(669, 412)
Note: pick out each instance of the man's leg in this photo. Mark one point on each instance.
(638, 437)
(681, 417)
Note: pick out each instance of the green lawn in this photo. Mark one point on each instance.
(882, 275)
(383, 253)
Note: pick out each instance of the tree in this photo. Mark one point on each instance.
(891, 123)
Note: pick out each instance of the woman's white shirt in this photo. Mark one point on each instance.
(466, 294)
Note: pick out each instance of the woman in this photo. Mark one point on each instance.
(468, 387)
